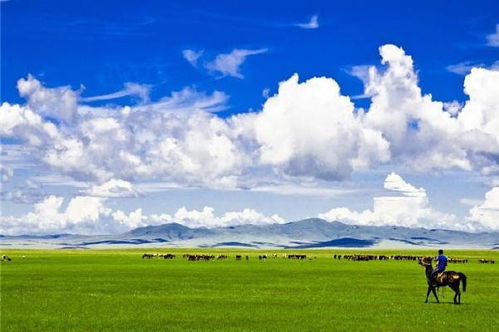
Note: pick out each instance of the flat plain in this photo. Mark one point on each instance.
(117, 290)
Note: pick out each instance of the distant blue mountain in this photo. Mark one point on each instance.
(345, 242)
(308, 233)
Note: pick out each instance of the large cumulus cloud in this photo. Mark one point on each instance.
(308, 129)
(404, 205)
(90, 215)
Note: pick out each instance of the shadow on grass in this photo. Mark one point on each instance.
(450, 302)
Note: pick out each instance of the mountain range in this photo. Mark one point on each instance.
(308, 233)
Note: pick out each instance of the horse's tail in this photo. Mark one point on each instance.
(463, 278)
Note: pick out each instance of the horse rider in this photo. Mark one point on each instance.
(441, 265)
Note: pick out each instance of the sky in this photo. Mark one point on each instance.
(135, 113)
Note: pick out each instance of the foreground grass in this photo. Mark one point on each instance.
(111, 290)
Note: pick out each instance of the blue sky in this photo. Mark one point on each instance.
(87, 61)
(72, 43)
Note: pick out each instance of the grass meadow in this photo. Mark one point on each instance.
(116, 290)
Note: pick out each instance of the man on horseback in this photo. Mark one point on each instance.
(441, 265)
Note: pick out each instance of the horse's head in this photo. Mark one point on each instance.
(425, 261)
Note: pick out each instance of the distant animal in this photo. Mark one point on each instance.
(486, 261)
(190, 257)
(447, 278)
(6, 258)
(238, 257)
(149, 256)
(457, 260)
(300, 257)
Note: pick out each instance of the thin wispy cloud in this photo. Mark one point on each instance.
(493, 38)
(464, 68)
(192, 56)
(224, 64)
(312, 24)
(130, 89)
(228, 64)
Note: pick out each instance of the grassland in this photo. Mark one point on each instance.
(116, 290)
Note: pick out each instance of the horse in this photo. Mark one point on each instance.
(446, 278)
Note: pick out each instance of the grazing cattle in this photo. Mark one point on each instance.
(406, 257)
(300, 257)
(6, 258)
(366, 257)
(222, 257)
(238, 257)
(486, 261)
(247, 257)
(262, 257)
(165, 256)
(457, 260)
(190, 257)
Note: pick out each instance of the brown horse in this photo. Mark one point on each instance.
(446, 278)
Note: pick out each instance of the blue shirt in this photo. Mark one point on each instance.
(442, 262)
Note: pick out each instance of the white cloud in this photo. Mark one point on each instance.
(113, 188)
(394, 182)
(89, 215)
(129, 89)
(487, 212)
(187, 100)
(59, 103)
(6, 173)
(303, 190)
(206, 217)
(306, 130)
(175, 137)
(192, 56)
(312, 24)
(493, 38)
(407, 206)
(133, 220)
(422, 135)
(82, 215)
(453, 107)
(469, 201)
(464, 68)
(309, 128)
(27, 193)
(228, 64)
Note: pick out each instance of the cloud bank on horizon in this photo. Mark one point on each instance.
(307, 130)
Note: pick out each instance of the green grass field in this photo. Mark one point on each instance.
(116, 290)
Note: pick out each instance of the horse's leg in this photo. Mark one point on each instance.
(435, 294)
(428, 293)
(457, 293)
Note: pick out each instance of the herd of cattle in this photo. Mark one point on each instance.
(204, 257)
(352, 257)
(357, 257)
